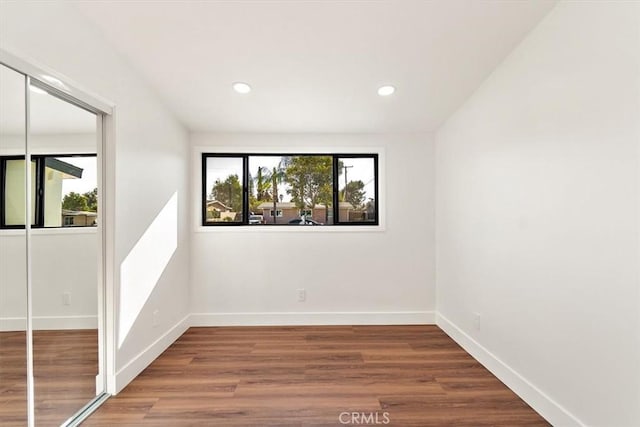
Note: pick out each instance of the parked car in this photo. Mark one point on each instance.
(256, 219)
(301, 221)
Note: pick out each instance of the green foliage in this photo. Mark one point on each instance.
(228, 192)
(270, 180)
(354, 193)
(92, 200)
(310, 178)
(74, 202)
(371, 207)
(276, 176)
(253, 203)
(262, 185)
(87, 202)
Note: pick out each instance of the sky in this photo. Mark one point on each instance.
(89, 179)
(362, 170)
(222, 167)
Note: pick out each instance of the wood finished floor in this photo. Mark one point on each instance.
(65, 366)
(308, 376)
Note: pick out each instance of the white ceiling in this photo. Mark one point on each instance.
(48, 114)
(315, 65)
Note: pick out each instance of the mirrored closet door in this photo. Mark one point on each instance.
(50, 269)
(13, 250)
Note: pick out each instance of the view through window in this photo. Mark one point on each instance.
(291, 189)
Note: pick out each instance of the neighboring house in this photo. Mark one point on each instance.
(285, 212)
(79, 218)
(218, 211)
(358, 216)
(320, 213)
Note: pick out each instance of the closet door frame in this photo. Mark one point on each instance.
(65, 89)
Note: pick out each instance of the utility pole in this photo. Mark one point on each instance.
(346, 168)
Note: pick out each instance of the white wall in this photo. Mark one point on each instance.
(249, 275)
(63, 261)
(13, 282)
(537, 217)
(151, 159)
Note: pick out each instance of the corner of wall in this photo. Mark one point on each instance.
(144, 358)
(536, 398)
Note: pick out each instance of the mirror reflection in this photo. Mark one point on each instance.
(64, 246)
(13, 266)
(64, 252)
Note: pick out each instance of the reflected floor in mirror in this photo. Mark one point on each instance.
(65, 368)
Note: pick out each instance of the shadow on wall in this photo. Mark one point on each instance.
(145, 264)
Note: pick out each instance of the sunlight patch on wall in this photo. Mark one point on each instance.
(143, 267)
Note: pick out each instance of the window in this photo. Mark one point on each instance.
(63, 189)
(281, 189)
(357, 189)
(224, 178)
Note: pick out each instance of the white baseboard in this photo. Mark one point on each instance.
(536, 398)
(143, 359)
(314, 318)
(49, 323)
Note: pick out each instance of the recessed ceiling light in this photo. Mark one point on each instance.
(241, 87)
(386, 90)
(37, 90)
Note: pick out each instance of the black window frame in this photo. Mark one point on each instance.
(245, 187)
(41, 163)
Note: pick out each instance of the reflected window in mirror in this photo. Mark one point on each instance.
(63, 187)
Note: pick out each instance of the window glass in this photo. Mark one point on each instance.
(357, 189)
(291, 186)
(14, 192)
(70, 191)
(224, 189)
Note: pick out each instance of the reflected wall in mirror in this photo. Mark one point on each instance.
(13, 266)
(64, 254)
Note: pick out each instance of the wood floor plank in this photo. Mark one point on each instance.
(65, 365)
(308, 376)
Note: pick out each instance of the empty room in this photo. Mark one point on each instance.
(320, 213)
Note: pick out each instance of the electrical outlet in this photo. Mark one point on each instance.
(66, 298)
(476, 321)
(302, 295)
(156, 318)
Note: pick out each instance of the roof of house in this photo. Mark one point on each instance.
(343, 205)
(279, 205)
(291, 205)
(218, 202)
(67, 212)
(67, 169)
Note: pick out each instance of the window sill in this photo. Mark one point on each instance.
(49, 231)
(291, 229)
